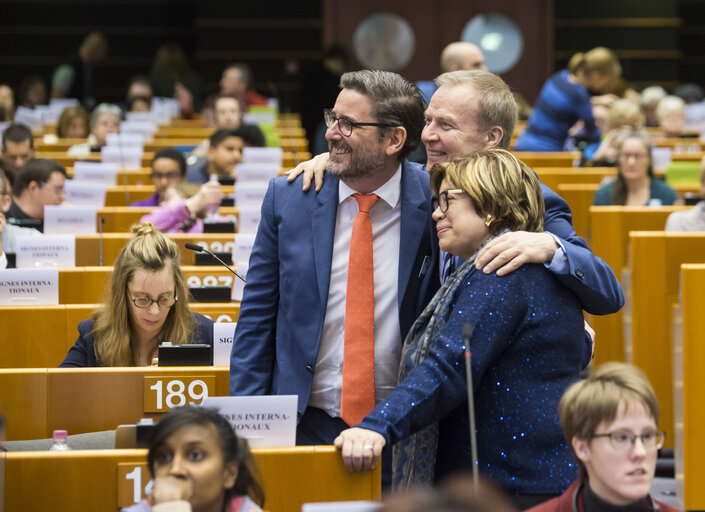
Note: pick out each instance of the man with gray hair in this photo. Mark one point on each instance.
(321, 317)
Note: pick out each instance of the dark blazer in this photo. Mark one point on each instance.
(82, 354)
(284, 303)
(528, 345)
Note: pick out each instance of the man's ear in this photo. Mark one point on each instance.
(33, 186)
(494, 137)
(397, 138)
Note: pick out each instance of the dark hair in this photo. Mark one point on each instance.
(17, 132)
(251, 135)
(172, 154)
(139, 79)
(395, 101)
(234, 450)
(27, 84)
(131, 100)
(37, 169)
(6, 180)
(245, 72)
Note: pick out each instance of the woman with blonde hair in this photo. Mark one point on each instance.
(622, 116)
(565, 100)
(528, 345)
(73, 123)
(146, 303)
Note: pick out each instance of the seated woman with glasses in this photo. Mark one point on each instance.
(528, 345)
(146, 304)
(610, 421)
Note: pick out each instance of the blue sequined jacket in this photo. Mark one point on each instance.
(528, 346)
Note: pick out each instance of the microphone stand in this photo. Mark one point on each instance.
(198, 248)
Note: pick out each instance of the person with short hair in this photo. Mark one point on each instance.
(198, 463)
(565, 99)
(8, 232)
(7, 103)
(671, 116)
(237, 82)
(635, 183)
(694, 218)
(225, 152)
(17, 148)
(39, 183)
(145, 304)
(73, 123)
(139, 104)
(519, 323)
(610, 419)
(33, 91)
(168, 168)
(226, 116)
(139, 85)
(105, 119)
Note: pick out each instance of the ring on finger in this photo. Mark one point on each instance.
(369, 447)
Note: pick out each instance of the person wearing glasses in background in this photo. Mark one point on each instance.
(146, 303)
(611, 420)
(40, 182)
(168, 169)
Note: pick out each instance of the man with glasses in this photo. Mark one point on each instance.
(337, 277)
(39, 183)
(610, 420)
(168, 169)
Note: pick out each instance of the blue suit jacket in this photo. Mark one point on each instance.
(284, 303)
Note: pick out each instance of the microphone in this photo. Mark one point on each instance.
(100, 241)
(467, 334)
(198, 248)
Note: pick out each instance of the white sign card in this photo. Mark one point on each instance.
(249, 218)
(151, 117)
(37, 250)
(124, 157)
(250, 194)
(257, 171)
(85, 193)
(97, 172)
(223, 342)
(243, 246)
(661, 157)
(342, 506)
(30, 118)
(259, 118)
(262, 156)
(133, 140)
(146, 128)
(238, 286)
(63, 103)
(265, 421)
(29, 286)
(79, 220)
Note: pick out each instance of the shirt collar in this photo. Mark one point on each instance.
(390, 192)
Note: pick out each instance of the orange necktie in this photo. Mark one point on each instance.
(358, 397)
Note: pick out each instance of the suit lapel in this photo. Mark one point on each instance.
(323, 217)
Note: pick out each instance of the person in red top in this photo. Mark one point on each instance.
(610, 420)
(237, 82)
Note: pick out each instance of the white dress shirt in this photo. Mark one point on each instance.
(386, 229)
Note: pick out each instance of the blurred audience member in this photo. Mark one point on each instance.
(73, 123)
(172, 77)
(225, 152)
(168, 169)
(39, 183)
(17, 148)
(690, 93)
(76, 77)
(139, 104)
(650, 98)
(10, 232)
(185, 206)
(237, 82)
(33, 92)
(634, 184)
(622, 116)
(139, 85)
(610, 420)
(104, 120)
(227, 116)
(7, 103)
(693, 219)
(671, 116)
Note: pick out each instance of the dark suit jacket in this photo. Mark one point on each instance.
(284, 303)
(82, 354)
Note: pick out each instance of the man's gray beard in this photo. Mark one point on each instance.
(361, 166)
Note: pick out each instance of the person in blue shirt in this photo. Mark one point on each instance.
(565, 100)
(635, 184)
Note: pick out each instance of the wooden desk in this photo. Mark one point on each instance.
(579, 197)
(38, 401)
(548, 158)
(609, 229)
(42, 335)
(68, 160)
(552, 177)
(654, 262)
(119, 219)
(689, 386)
(89, 479)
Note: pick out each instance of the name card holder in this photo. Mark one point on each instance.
(249, 218)
(167, 392)
(77, 220)
(29, 286)
(250, 193)
(238, 285)
(131, 140)
(262, 155)
(257, 171)
(85, 193)
(223, 343)
(98, 172)
(37, 250)
(124, 157)
(244, 242)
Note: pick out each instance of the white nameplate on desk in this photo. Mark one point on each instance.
(265, 421)
(86, 193)
(257, 171)
(125, 157)
(238, 285)
(661, 157)
(78, 220)
(342, 506)
(259, 118)
(243, 246)
(38, 250)
(249, 218)
(250, 193)
(262, 156)
(131, 140)
(223, 342)
(97, 172)
(29, 286)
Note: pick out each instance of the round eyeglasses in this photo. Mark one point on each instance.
(146, 302)
(346, 125)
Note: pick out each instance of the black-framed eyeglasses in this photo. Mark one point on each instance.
(346, 125)
(442, 200)
(624, 440)
(146, 302)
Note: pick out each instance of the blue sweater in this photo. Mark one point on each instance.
(528, 346)
(560, 105)
(82, 354)
(658, 189)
